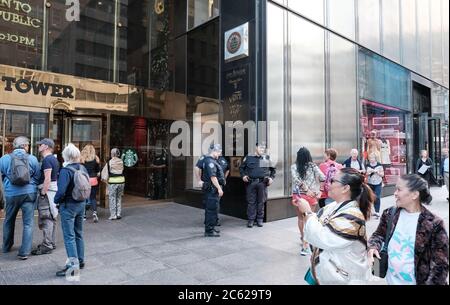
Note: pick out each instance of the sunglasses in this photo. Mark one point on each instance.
(333, 180)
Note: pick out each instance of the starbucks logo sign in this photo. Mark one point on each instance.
(129, 157)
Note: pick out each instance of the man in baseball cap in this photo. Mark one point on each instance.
(49, 142)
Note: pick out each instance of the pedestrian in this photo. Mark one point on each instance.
(338, 232)
(445, 170)
(48, 186)
(417, 242)
(329, 168)
(214, 180)
(71, 209)
(2, 198)
(257, 173)
(375, 174)
(112, 174)
(20, 173)
(306, 178)
(92, 164)
(424, 167)
(355, 162)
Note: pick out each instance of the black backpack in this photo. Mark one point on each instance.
(20, 170)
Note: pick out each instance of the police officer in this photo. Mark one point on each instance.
(256, 171)
(225, 168)
(213, 181)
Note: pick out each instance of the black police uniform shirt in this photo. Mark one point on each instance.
(252, 167)
(211, 168)
(223, 164)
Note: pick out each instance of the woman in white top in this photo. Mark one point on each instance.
(375, 174)
(338, 232)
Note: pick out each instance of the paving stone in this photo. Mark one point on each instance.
(167, 277)
(140, 267)
(118, 257)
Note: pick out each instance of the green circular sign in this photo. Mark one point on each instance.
(129, 157)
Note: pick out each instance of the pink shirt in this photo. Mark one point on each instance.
(324, 168)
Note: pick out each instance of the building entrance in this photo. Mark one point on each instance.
(427, 129)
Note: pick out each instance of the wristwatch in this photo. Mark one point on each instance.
(308, 213)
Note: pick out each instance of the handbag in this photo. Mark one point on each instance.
(309, 278)
(93, 181)
(381, 264)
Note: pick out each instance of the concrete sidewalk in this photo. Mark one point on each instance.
(164, 244)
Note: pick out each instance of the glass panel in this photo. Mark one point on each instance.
(200, 11)
(369, 24)
(275, 92)
(21, 33)
(383, 81)
(424, 37)
(440, 109)
(307, 87)
(408, 34)
(30, 124)
(383, 133)
(343, 96)
(86, 132)
(341, 17)
(391, 29)
(445, 35)
(436, 38)
(310, 9)
(84, 48)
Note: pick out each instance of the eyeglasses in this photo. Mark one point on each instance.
(333, 180)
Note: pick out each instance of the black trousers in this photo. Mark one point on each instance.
(211, 200)
(256, 197)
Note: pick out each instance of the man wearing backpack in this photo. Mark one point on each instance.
(74, 189)
(329, 167)
(20, 174)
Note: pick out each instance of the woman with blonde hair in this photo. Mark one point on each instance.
(92, 163)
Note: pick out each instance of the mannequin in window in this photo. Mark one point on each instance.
(374, 145)
(385, 152)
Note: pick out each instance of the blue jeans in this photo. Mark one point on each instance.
(377, 190)
(93, 198)
(72, 226)
(27, 204)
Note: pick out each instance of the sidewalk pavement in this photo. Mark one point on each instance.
(164, 244)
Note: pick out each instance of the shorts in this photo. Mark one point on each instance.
(311, 200)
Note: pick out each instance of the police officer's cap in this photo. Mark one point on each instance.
(215, 147)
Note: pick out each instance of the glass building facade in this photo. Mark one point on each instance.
(329, 72)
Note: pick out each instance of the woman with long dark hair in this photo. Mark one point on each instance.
(306, 178)
(417, 242)
(338, 232)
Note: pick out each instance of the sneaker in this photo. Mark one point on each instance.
(82, 265)
(212, 234)
(22, 257)
(259, 223)
(250, 224)
(112, 217)
(119, 217)
(94, 215)
(40, 250)
(305, 251)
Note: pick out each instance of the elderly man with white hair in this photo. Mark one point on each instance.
(71, 211)
(20, 172)
(355, 162)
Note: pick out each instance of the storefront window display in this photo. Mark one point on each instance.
(384, 134)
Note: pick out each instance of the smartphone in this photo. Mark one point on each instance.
(376, 267)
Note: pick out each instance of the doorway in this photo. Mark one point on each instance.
(427, 129)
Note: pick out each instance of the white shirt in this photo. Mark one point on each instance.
(355, 165)
(401, 270)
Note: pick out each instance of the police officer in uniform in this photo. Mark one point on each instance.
(199, 168)
(213, 182)
(256, 171)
